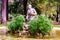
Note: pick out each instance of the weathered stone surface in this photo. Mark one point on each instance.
(3, 30)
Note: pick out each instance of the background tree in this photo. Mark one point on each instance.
(4, 13)
(47, 7)
(25, 6)
(16, 7)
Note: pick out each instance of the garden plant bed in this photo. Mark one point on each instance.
(9, 36)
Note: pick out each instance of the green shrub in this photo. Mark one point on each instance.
(12, 26)
(44, 24)
(19, 21)
(33, 29)
(16, 24)
(40, 24)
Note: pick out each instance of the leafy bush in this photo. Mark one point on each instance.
(16, 24)
(19, 21)
(40, 24)
(33, 29)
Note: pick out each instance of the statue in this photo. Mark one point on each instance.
(31, 13)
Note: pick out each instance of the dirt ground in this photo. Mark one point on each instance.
(10, 37)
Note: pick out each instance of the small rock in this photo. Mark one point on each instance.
(23, 33)
(38, 34)
(25, 26)
(46, 36)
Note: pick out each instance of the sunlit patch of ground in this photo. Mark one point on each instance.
(10, 37)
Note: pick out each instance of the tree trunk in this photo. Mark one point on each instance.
(0, 11)
(7, 9)
(4, 12)
(25, 6)
(58, 10)
(58, 13)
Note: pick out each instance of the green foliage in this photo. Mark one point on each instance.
(45, 25)
(33, 29)
(40, 24)
(12, 27)
(47, 7)
(16, 24)
(34, 4)
(19, 21)
(15, 7)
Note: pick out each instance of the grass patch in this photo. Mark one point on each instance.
(3, 25)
